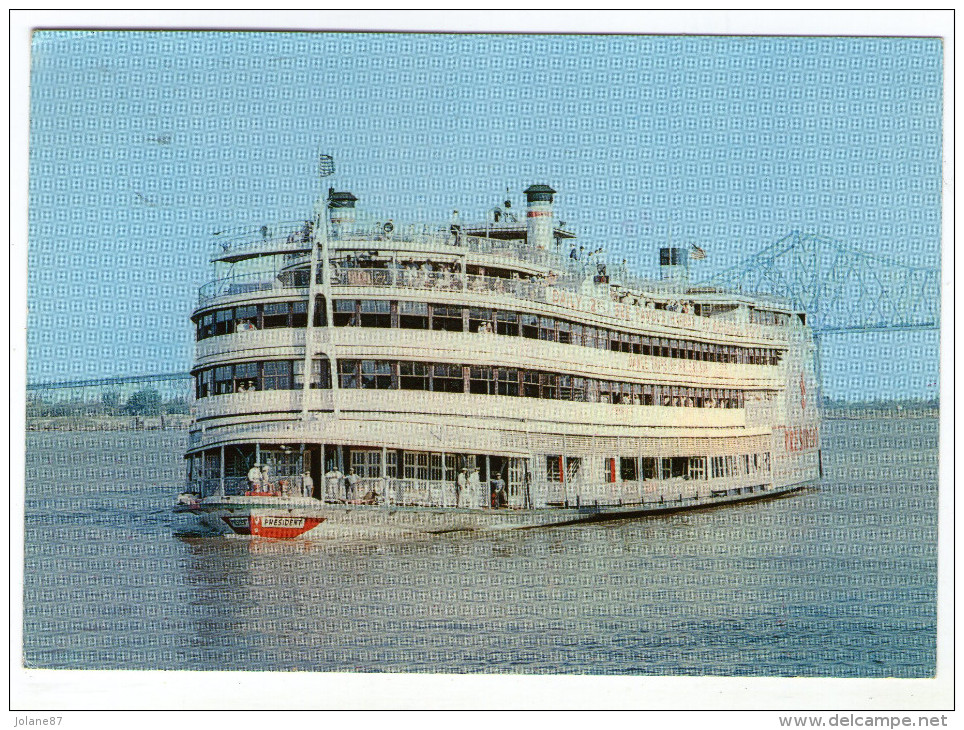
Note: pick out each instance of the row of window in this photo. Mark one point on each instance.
(264, 375)
(448, 378)
(454, 318)
(271, 315)
(493, 380)
(646, 468)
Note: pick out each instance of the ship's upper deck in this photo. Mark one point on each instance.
(531, 257)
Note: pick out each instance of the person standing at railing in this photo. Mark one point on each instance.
(351, 485)
(307, 485)
(461, 484)
(476, 493)
(333, 485)
(255, 478)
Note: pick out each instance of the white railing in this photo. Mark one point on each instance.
(531, 290)
(393, 491)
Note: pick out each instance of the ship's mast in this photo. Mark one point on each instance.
(319, 240)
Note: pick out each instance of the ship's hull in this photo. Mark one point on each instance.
(301, 519)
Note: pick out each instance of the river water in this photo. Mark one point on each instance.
(835, 582)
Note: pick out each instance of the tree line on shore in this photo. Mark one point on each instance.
(145, 403)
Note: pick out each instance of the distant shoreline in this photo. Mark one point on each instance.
(110, 423)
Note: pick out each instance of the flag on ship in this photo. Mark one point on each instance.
(696, 252)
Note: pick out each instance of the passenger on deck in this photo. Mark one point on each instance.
(351, 485)
(498, 492)
(461, 484)
(333, 483)
(475, 489)
(255, 478)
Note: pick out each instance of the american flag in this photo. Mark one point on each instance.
(326, 165)
(696, 252)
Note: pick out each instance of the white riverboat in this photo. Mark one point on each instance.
(369, 378)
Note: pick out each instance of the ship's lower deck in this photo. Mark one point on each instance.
(238, 517)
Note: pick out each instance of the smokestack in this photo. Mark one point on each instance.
(539, 216)
(674, 264)
(341, 211)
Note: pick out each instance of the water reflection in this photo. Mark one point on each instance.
(832, 582)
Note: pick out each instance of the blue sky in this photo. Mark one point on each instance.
(143, 144)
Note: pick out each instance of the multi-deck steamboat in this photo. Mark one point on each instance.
(364, 377)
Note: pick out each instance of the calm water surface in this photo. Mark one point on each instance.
(836, 582)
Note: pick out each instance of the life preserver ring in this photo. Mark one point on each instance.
(388, 228)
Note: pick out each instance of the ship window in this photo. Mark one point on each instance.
(205, 383)
(413, 315)
(625, 342)
(508, 381)
(573, 466)
(276, 315)
(609, 467)
(507, 323)
(246, 377)
(376, 375)
(224, 322)
(348, 376)
(446, 318)
(246, 318)
(367, 463)
(629, 469)
(647, 395)
(553, 468)
(414, 376)
(605, 392)
(592, 390)
(547, 329)
(588, 335)
(480, 320)
(636, 344)
(565, 387)
(645, 345)
(603, 338)
(565, 331)
(451, 467)
(481, 380)
(223, 380)
(299, 314)
(530, 326)
(207, 326)
(549, 385)
(345, 313)
(415, 465)
(376, 313)
(697, 467)
(530, 384)
(672, 467)
(578, 389)
(614, 343)
(435, 467)
(447, 378)
(576, 336)
(277, 375)
(649, 465)
(636, 394)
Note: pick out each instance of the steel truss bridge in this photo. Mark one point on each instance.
(844, 291)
